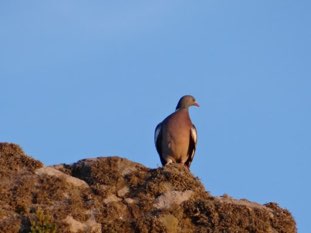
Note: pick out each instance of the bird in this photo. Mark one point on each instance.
(175, 137)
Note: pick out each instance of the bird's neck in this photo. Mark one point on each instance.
(182, 108)
(184, 112)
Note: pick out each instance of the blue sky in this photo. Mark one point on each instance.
(83, 79)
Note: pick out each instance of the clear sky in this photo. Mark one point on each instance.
(84, 79)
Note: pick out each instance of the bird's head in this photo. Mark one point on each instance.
(186, 101)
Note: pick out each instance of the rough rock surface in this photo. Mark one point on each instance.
(113, 194)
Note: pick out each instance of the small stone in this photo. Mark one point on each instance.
(112, 198)
(123, 191)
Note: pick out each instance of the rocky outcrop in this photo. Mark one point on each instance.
(113, 194)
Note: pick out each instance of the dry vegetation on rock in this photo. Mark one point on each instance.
(113, 194)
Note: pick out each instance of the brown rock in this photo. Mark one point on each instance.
(113, 194)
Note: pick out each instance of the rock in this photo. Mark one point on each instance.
(50, 171)
(13, 160)
(129, 200)
(113, 194)
(111, 198)
(123, 191)
(75, 226)
(168, 199)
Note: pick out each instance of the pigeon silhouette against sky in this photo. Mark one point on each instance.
(176, 137)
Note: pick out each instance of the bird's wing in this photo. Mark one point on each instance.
(192, 145)
(158, 140)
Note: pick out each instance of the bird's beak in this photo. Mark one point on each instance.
(196, 104)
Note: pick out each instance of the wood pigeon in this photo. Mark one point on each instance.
(176, 137)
